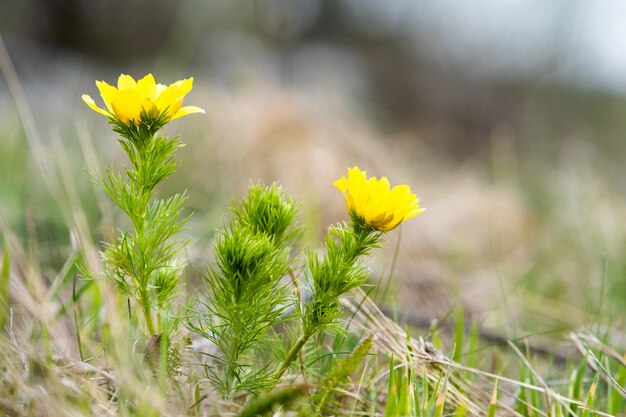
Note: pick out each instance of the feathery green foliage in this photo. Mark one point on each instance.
(338, 272)
(244, 293)
(145, 264)
(265, 210)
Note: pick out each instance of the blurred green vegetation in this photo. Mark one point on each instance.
(532, 245)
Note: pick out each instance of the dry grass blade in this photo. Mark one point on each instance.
(391, 339)
(547, 391)
(477, 395)
(593, 342)
(584, 342)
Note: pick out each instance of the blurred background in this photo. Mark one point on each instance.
(507, 118)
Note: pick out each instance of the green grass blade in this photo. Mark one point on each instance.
(522, 405)
(441, 400)
(493, 404)
(4, 286)
(197, 400)
(425, 392)
(576, 382)
(591, 394)
(433, 399)
(471, 358)
(392, 393)
(403, 392)
(459, 333)
(617, 401)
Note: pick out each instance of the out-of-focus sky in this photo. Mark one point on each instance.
(471, 66)
(581, 41)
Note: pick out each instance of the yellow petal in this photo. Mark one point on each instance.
(108, 93)
(159, 89)
(341, 184)
(375, 202)
(350, 205)
(126, 82)
(127, 105)
(355, 174)
(358, 187)
(413, 213)
(187, 110)
(92, 104)
(147, 105)
(173, 109)
(383, 185)
(185, 86)
(147, 87)
(167, 98)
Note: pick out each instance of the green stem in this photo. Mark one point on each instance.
(293, 354)
(140, 225)
(350, 256)
(148, 315)
(232, 376)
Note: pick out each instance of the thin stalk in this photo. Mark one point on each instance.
(140, 225)
(148, 315)
(293, 354)
(233, 357)
(75, 308)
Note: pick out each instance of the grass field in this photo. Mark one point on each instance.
(506, 297)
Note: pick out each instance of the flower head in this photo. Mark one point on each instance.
(373, 202)
(132, 100)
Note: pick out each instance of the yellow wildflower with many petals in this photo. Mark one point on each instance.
(375, 203)
(133, 98)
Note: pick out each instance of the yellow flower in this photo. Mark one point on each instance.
(373, 202)
(130, 98)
